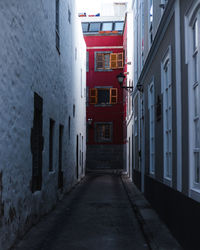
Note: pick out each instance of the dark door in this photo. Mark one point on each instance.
(60, 172)
(77, 155)
(129, 157)
(37, 144)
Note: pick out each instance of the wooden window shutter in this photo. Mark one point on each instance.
(113, 60)
(119, 60)
(93, 96)
(99, 60)
(113, 96)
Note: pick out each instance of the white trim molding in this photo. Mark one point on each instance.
(178, 95)
(151, 107)
(166, 88)
(106, 47)
(192, 49)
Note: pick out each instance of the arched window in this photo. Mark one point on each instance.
(192, 39)
(166, 81)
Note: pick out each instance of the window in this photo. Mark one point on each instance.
(163, 4)
(76, 54)
(102, 61)
(196, 116)
(37, 143)
(103, 96)
(87, 96)
(167, 114)
(81, 80)
(107, 26)
(95, 27)
(87, 61)
(192, 36)
(150, 22)
(108, 60)
(116, 60)
(85, 27)
(102, 26)
(152, 127)
(69, 15)
(60, 172)
(57, 26)
(135, 126)
(195, 50)
(74, 109)
(103, 132)
(69, 127)
(77, 157)
(82, 157)
(51, 143)
(119, 26)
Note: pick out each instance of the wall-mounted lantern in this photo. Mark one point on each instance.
(89, 121)
(120, 79)
(139, 87)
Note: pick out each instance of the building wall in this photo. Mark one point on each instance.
(184, 96)
(30, 63)
(103, 155)
(169, 197)
(128, 44)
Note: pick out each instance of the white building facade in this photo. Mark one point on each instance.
(42, 113)
(166, 135)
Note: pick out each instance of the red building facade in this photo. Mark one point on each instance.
(105, 60)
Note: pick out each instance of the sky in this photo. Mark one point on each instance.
(91, 6)
(88, 5)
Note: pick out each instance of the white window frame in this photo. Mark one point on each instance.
(193, 15)
(150, 22)
(166, 87)
(163, 4)
(151, 107)
(87, 61)
(101, 139)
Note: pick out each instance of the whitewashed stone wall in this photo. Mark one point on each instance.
(30, 62)
(130, 81)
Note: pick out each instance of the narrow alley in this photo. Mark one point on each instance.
(96, 215)
(99, 124)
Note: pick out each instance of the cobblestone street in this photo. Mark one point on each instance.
(95, 215)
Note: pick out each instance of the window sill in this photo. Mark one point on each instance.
(103, 142)
(195, 194)
(37, 193)
(52, 172)
(152, 175)
(167, 181)
(103, 70)
(103, 105)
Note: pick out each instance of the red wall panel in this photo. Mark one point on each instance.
(111, 113)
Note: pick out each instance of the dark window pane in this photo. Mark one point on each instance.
(51, 143)
(103, 132)
(103, 96)
(102, 61)
(107, 26)
(95, 27)
(85, 27)
(107, 61)
(119, 26)
(87, 61)
(195, 35)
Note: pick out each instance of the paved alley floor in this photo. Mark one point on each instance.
(96, 215)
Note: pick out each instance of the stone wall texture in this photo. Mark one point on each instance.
(103, 156)
(30, 63)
